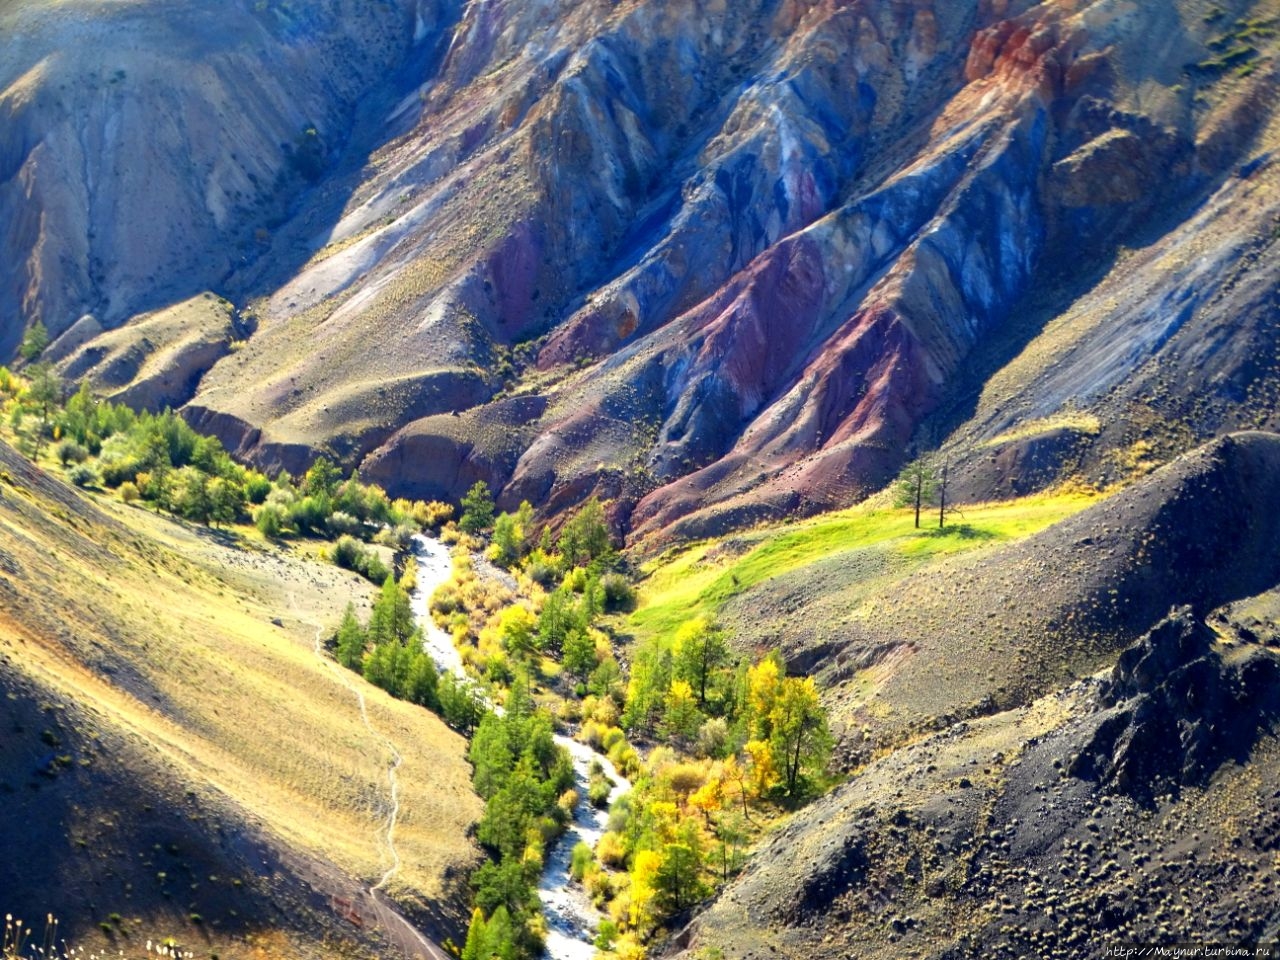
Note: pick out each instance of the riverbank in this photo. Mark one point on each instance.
(572, 919)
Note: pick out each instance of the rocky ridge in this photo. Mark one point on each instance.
(1114, 811)
(718, 264)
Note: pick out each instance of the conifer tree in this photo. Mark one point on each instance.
(477, 509)
(700, 651)
(34, 341)
(916, 486)
(351, 640)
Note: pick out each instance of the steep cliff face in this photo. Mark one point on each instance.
(718, 262)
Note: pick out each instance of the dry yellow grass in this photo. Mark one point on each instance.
(1076, 421)
(167, 633)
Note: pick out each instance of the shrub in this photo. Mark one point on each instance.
(713, 737)
(270, 519)
(310, 513)
(611, 850)
(340, 523)
(349, 554)
(445, 600)
(433, 514)
(598, 791)
(575, 580)
(580, 861)
(613, 736)
(541, 569)
(83, 475)
(601, 887)
(282, 497)
(118, 464)
(71, 452)
(396, 537)
(256, 487)
(605, 712)
(567, 803)
(618, 593)
(625, 759)
(606, 933)
(497, 668)
(592, 734)
(129, 492)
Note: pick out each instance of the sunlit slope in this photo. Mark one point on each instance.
(164, 641)
(880, 543)
(910, 630)
(1043, 757)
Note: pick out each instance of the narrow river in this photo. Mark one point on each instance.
(571, 918)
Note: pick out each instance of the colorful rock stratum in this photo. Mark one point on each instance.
(715, 262)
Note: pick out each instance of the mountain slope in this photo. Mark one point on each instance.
(771, 281)
(995, 838)
(998, 804)
(176, 747)
(144, 143)
(944, 626)
(720, 263)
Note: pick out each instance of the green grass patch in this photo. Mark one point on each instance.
(702, 579)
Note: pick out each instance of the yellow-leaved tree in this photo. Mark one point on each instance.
(709, 797)
(763, 682)
(762, 773)
(799, 739)
(643, 889)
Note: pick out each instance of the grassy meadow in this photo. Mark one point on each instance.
(701, 579)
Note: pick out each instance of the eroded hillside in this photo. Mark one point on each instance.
(712, 262)
(1058, 719)
(146, 148)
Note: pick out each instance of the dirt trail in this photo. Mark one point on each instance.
(393, 782)
(403, 933)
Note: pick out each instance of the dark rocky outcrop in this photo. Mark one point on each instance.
(1178, 709)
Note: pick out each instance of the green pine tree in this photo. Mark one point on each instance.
(351, 640)
(422, 681)
(392, 618)
(34, 342)
(477, 509)
(579, 654)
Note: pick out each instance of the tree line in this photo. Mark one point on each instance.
(388, 651)
(717, 745)
(160, 460)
